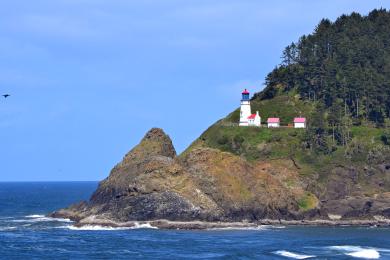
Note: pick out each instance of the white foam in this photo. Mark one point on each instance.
(95, 228)
(40, 218)
(366, 254)
(278, 227)
(346, 248)
(358, 251)
(6, 217)
(107, 228)
(35, 216)
(292, 255)
(241, 228)
(145, 225)
(7, 228)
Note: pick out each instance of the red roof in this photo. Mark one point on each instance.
(252, 116)
(299, 120)
(273, 120)
(245, 91)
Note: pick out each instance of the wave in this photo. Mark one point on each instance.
(107, 228)
(277, 227)
(293, 255)
(241, 228)
(145, 225)
(359, 252)
(35, 216)
(260, 227)
(1, 218)
(7, 228)
(96, 228)
(39, 218)
(366, 254)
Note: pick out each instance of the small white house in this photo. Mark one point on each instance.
(273, 122)
(254, 119)
(300, 122)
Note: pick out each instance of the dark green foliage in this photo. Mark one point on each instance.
(318, 130)
(343, 64)
(385, 138)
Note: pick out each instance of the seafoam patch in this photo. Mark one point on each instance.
(107, 228)
(293, 255)
(358, 251)
(7, 228)
(258, 228)
(39, 218)
(144, 225)
(95, 228)
(241, 228)
(35, 216)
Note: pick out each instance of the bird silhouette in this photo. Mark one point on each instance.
(6, 95)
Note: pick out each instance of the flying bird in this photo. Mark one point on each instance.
(6, 95)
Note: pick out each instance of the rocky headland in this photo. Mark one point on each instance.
(209, 188)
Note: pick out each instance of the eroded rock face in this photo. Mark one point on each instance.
(151, 183)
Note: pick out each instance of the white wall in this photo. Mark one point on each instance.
(245, 112)
(299, 125)
(257, 121)
(273, 125)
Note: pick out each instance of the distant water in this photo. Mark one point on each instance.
(25, 233)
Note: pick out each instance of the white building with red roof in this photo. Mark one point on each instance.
(254, 119)
(300, 122)
(273, 122)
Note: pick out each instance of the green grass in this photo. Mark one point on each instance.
(367, 134)
(253, 142)
(308, 201)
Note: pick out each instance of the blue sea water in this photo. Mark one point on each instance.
(25, 233)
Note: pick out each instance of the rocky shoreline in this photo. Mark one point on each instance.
(203, 225)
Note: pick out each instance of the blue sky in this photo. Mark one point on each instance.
(88, 78)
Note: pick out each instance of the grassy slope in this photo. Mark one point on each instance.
(286, 106)
(261, 143)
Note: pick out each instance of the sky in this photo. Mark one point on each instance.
(88, 78)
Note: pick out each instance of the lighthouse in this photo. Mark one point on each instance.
(245, 110)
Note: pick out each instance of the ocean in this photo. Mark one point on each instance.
(26, 233)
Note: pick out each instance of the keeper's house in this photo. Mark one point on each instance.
(273, 122)
(300, 122)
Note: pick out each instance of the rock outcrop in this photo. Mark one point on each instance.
(151, 183)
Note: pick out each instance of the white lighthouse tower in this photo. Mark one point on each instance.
(245, 111)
